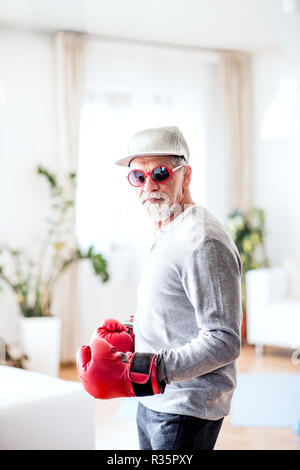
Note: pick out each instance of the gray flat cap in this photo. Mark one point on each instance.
(156, 141)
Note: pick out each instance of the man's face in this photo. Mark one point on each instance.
(160, 200)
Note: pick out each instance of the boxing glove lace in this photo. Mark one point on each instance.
(117, 334)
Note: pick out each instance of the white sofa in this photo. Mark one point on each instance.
(273, 307)
(39, 412)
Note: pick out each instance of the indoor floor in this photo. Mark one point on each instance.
(115, 430)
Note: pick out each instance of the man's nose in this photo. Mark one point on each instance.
(150, 185)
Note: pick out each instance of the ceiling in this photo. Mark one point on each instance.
(216, 24)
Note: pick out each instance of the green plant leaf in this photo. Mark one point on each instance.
(90, 251)
(33, 288)
(49, 176)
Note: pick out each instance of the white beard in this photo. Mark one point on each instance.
(158, 211)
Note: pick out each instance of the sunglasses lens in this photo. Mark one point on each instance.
(136, 178)
(160, 174)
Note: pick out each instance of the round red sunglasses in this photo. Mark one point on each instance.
(159, 174)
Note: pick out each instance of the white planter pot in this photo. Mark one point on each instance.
(41, 343)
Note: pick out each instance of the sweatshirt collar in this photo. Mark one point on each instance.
(170, 225)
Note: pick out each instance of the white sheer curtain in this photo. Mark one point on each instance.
(68, 54)
(129, 87)
(236, 113)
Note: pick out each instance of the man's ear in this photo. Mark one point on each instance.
(187, 176)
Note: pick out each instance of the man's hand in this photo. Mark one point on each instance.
(117, 334)
(107, 373)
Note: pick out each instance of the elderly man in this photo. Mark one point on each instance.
(179, 353)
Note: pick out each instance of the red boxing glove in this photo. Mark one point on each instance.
(107, 373)
(117, 334)
(129, 325)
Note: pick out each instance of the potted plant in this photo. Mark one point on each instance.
(33, 276)
(248, 232)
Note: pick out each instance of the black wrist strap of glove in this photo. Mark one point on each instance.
(141, 364)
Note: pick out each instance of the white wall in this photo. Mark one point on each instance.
(27, 138)
(276, 163)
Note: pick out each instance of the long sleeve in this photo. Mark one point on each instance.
(211, 279)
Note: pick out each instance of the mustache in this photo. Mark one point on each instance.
(154, 195)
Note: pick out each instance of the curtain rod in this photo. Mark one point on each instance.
(167, 45)
(50, 32)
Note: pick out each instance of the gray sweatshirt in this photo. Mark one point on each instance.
(189, 312)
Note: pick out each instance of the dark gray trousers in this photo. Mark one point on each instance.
(167, 431)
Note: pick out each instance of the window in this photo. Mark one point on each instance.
(129, 88)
